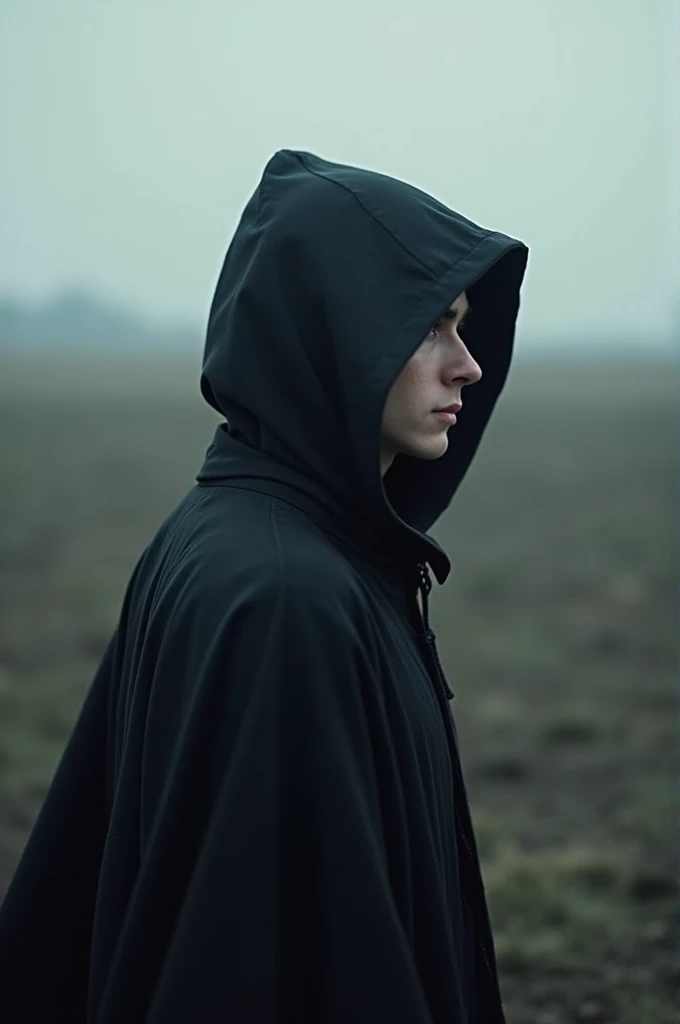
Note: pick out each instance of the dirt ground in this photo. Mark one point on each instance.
(557, 629)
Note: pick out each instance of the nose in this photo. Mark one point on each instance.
(474, 373)
(464, 368)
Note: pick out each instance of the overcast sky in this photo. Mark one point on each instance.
(134, 131)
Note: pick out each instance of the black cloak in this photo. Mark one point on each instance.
(260, 814)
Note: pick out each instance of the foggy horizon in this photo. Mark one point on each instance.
(133, 144)
(183, 335)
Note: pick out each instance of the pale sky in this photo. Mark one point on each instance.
(134, 132)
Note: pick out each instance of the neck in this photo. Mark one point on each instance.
(386, 460)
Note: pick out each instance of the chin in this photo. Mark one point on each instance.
(433, 449)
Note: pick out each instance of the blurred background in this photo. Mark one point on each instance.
(133, 135)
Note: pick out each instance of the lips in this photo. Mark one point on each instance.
(455, 408)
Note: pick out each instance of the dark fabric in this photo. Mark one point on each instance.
(260, 815)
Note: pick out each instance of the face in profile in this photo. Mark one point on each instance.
(414, 421)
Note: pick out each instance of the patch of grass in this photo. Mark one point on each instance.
(37, 712)
(570, 726)
(501, 710)
(509, 768)
(556, 907)
(490, 832)
(645, 1008)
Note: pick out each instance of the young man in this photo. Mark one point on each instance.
(260, 815)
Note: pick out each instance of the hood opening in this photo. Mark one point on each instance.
(332, 279)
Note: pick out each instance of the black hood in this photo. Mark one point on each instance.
(333, 278)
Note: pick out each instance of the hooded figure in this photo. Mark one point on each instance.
(260, 815)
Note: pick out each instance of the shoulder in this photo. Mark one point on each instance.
(305, 560)
(255, 549)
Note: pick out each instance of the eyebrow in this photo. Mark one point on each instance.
(452, 313)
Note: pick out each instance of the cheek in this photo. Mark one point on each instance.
(418, 376)
(410, 389)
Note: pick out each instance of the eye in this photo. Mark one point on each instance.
(460, 329)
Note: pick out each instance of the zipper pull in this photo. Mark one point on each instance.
(424, 578)
(430, 640)
(425, 586)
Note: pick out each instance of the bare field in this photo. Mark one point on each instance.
(557, 628)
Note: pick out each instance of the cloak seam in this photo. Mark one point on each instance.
(374, 217)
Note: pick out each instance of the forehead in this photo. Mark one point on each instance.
(460, 304)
